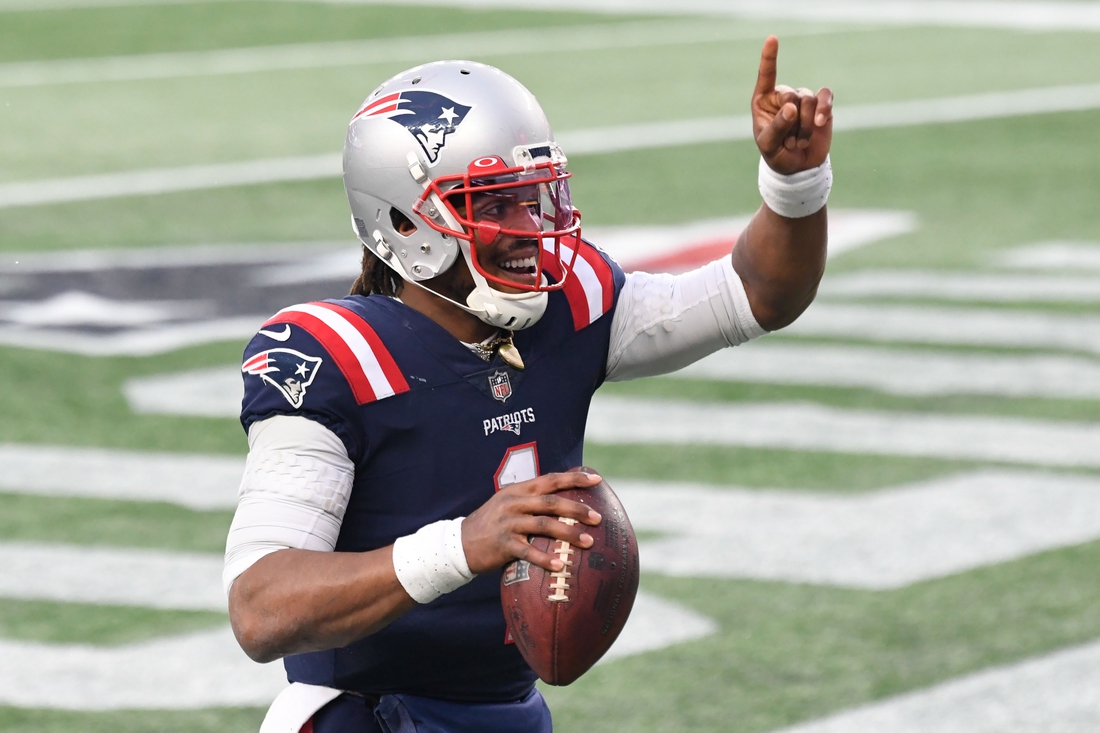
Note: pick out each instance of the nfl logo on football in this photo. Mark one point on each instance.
(500, 385)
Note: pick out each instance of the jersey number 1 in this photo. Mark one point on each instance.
(521, 463)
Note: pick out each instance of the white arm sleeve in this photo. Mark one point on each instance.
(665, 322)
(296, 486)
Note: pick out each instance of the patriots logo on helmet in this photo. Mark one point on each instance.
(286, 370)
(428, 116)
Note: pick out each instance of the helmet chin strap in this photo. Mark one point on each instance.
(514, 311)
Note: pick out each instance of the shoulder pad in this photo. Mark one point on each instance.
(355, 348)
(591, 287)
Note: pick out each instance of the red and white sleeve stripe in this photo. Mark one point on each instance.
(360, 355)
(590, 290)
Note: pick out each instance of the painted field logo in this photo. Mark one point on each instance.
(501, 386)
(286, 370)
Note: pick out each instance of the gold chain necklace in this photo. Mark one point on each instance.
(502, 345)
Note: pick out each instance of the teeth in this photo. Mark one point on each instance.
(523, 264)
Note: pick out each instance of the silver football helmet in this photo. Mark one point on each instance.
(430, 146)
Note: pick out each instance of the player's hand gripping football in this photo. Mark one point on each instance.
(496, 533)
(793, 127)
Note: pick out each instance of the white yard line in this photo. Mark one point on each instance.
(142, 258)
(813, 427)
(578, 142)
(217, 391)
(111, 575)
(910, 372)
(190, 480)
(406, 49)
(964, 286)
(169, 180)
(657, 623)
(213, 392)
(1071, 16)
(199, 670)
(1070, 256)
(7, 6)
(1058, 692)
(878, 540)
(208, 669)
(1001, 327)
(134, 342)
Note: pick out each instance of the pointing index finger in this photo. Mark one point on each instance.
(765, 80)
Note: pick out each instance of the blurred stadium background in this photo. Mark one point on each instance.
(885, 519)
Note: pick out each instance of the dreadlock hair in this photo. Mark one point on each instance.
(376, 278)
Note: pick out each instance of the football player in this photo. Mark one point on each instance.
(407, 439)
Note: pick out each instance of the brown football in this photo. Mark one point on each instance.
(564, 622)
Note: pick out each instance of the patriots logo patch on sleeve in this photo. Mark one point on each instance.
(286, 370)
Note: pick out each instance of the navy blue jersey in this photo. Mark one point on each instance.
(433, 431)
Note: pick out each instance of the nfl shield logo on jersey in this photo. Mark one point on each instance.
(500, 385)
(286, 370)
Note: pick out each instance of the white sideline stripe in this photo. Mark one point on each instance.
(912, 372)
(1009, 328)
(354, 340)
(529, 40)
(1074, 256)
(208, 669)
(878, 540)
(578, 142)
(192, 480)
(115, 576)
(964, 286)
(812, 427)
(1054, 692)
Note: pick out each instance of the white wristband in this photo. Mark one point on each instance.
(799, 194)
(431, 562)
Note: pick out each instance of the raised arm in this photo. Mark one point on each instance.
(780, 258)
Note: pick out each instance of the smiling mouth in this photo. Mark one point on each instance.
(520, 266)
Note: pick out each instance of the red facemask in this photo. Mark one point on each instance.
(525, 203)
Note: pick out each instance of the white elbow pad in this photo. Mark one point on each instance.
(294, 492)
(665, 322)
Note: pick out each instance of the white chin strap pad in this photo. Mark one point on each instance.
(503, 310)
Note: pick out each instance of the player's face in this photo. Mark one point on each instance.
(510, 258)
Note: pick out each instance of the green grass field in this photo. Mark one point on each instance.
(785, 652)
